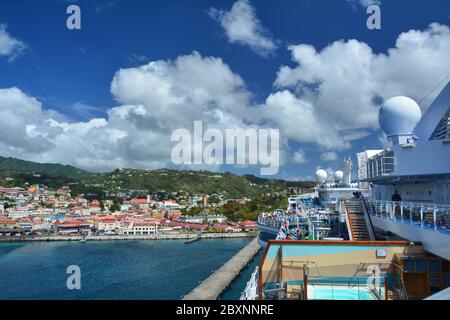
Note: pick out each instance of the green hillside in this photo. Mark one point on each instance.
(192, 182)
(139, 181)
(12, 165)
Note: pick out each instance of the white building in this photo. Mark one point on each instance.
(42, 224)
(201, 219)
(140, 228)
(108, 226)
(169, 205)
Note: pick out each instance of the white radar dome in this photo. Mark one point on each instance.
(338, 175)
(399, 115)
(321, 176)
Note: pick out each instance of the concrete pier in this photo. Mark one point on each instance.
(189, 241)
(212, 287)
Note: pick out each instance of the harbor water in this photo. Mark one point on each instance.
(111, 269)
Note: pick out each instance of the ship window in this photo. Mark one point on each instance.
(446, 278)
(435, 266)
(409, 265)
(421, 266)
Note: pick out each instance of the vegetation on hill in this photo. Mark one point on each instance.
(248, 211)
(190, 182)
(251, 209)
(12, 165)
(12, 179)
(15, 172)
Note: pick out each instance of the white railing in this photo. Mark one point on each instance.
(251, 289)
(270, 222)
(343, 212)
(424, 215)
(279, 221)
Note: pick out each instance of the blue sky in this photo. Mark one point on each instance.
(50, 72)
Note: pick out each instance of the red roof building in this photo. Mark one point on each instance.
(139, 201)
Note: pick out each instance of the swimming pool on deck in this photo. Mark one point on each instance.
(327, 292)
(334, 270)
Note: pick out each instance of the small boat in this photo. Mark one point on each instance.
(83, 240)
(191, 240)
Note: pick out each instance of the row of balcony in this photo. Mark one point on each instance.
(424, 215)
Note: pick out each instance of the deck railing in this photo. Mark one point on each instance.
(434, 217)
(327, 288)
(270, 222)
(277, 222)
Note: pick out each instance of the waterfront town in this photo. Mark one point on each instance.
(38, 211)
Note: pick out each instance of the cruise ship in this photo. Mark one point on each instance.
(315, 213)
(392, 240)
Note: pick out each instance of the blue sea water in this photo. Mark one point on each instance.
(111, 270)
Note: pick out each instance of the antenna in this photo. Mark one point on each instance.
(440, 83)
(347, 171)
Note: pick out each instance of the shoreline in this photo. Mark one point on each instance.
(130, 237)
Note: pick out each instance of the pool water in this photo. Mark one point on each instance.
(322, 292)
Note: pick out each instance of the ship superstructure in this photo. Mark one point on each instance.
(394, 237)
(410, 180)
(316, 214)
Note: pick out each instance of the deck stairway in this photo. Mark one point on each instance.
(358, 226)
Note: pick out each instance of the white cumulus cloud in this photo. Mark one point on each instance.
(242, 26)
(345, 82)
(298, 121)
(10, 47)
(328, 99)
(153, 100)
(300, 157)
(328, 156)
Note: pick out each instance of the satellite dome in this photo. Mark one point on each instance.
(321, 176)
(338, 175)
(399, 115)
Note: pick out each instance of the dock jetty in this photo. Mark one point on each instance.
(214, 285)
(191, 240)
